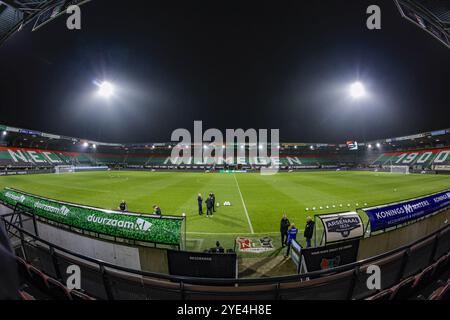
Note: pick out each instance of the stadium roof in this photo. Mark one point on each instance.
(430, 15)
(15, 14)
(415, 138)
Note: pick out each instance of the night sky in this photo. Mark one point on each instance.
(232, 64)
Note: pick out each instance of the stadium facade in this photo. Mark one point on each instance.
(33, 150)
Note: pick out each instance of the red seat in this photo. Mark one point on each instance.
(78, 295)
(404, 289)
(423, 278)
(25, 296)
(24, 272)
(381, 296)
(57, 290)
(442, 293)
(441, 265)
(39, 279)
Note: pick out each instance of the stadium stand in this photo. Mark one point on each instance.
(406, 271)
(31, 150)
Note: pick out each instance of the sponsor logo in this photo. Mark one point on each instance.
(330, 263)
(140, 224)
(143, 224)
(18, 198)
(343, 225)
(64, 211)
(255, 245)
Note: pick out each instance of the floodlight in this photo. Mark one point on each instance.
(85, 144)
(357, 90)
(5, 133)
(369, 146)
(106, 89)
(378, 145)
(94, 146)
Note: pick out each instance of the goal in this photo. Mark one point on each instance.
(400, 169)
(64, 169)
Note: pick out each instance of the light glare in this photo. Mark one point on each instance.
(357, 90)
(106, 89)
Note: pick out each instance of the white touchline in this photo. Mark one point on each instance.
(243, 203)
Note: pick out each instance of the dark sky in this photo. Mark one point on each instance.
(232, 64)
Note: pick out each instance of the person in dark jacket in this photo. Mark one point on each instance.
(309, 230)
(213, 198)
(284, 227)
(123, 206)
(209, 207)
(200, 204)
(157, 210)
(218, 248)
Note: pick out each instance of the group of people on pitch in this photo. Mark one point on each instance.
(124, 208)
(210, 204)
(289, 232)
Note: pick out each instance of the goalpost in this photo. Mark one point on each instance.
(64, 169)
(399, 169)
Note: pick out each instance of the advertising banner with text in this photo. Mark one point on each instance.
(387, 216)
(163, 230)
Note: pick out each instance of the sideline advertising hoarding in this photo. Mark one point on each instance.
(146, 228)
(387, 216)
(342, 226)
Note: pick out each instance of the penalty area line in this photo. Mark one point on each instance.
(245, 207)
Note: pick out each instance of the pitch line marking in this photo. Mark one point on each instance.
(243, 203)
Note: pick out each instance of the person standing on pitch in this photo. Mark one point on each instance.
(284, 227)
(309, 230)
(200, 204)
(157, 210)
(213, 198)
(292, 235)
(209, 207)
(123, 206)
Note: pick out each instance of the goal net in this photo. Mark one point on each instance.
(64, 169)
(400, 169)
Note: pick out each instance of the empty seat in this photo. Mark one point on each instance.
(442, 293)
(24, 272)
(442, 265)
(381, 296)
(403, 290)
(39, 279)
(25, 295)
(57, 290)
(78, 295)
(423, 278)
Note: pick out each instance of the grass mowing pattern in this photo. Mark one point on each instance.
(265, 197)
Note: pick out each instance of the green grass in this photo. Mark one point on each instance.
(264, 198)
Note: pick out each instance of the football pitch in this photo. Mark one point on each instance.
(257, 201)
